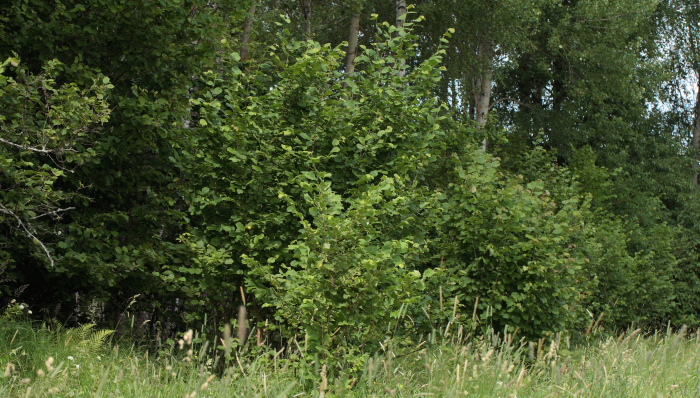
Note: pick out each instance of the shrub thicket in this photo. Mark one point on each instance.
(341, 206)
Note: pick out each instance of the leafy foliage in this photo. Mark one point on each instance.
(141, 155)
(322, 179)
(509, 245)
(45, 134)
(347, 282)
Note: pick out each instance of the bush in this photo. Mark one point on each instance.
(509, 245)
(628, 272)
(286, 150)
(349, 280)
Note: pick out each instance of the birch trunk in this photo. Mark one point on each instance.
(400, 12)
(696, 135)
(352, 44)
(247, 35)
(400, 20)
(483, 85)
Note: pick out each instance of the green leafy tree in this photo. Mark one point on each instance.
(128, 213)
(46, 132)
(488, 36)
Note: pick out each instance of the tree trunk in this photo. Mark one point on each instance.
(400, 12)
(483, 97)
(696, 135)
(307, 11)
(400, 20)
(352, 44)
(483, 86)
(247, 35)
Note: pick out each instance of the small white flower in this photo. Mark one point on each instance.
(29, 312)
(21, 306)
(70, 358)
(77, 366)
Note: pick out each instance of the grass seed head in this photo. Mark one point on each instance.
(49, 364)
(205, 385)
(188, 337)
(9, 369)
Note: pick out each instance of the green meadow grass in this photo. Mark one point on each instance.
(50, 361)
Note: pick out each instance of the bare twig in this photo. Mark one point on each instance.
(55, 212)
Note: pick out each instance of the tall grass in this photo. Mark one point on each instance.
(48, 360)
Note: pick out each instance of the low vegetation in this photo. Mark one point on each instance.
(51, 361)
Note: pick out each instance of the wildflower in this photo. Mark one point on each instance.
(70, 358)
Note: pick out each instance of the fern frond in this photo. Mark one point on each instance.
(85, 340)
(98, 338)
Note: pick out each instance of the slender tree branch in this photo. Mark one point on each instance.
(55, 212)
(26, 229)
(28, 148)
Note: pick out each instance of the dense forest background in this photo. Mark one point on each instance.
(522, 164)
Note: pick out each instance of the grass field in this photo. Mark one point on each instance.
(50, 361)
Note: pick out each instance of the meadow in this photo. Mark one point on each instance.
(47, 360)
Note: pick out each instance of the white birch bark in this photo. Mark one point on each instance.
(695, 142)
(483, 87)
(400, 20)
